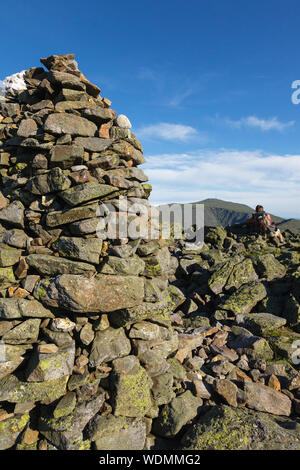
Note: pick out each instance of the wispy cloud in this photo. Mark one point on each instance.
(262, 124)
(248, 177)
(168, 131)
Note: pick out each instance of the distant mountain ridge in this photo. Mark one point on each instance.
(226, 213)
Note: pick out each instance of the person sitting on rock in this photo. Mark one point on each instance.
(261, 222)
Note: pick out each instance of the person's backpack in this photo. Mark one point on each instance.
(262, 222)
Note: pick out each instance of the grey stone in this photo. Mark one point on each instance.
(218, 430)
(86, 192)
(131, 386)
(25, 332)
(117, 433)
(262, 398)
(100, 294)
(123, 121)
(93, 144)
(65, 156)
(176, 414)
(80, 249)
(108, 345)
(13, 214)
(63, 123)
(11, 428)
(47, 265)
(44, 367)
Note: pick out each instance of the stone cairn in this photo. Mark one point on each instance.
(112, 337)
(70, 293)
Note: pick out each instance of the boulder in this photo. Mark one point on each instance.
(25, 332)
(261, 324)
(11, 428)
(85, 192)
(131, 388)
(13, 214)
(269, 267)
(66, 156)
(14, 390)
(80, 249)
(245, 298)
(115, 265)
(47, 265)
(262, 398)
(66, 432)
(100, 294)
(117, 433)
(226, 428)
(108, 345)
(47, 367)
(242, 273)
(63, 123)
(176, 414)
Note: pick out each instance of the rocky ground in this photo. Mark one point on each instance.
(137, 342)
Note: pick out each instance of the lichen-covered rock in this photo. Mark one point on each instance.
(66, 431)
(269, 267)
(226, 428)
(158, 264)
(117, 433)
(242, 273)
(44, 367)
(219, 277)
(131, 387)
(15, 391)
(16, 308)
(47, 265)
(76, 248)
(215, 236)
(254, 347)
(66, 156)
(86, 192)
(53, 181)
(10, 429)
(109, 345)
(57, 218)
(162, 389)
(291, 310)
(245, 298)
(25, 332)
(262, 324)
(65, 406)
(176, 414)
(158, 312)
(100, 294)
(114, 265)
(9, 256)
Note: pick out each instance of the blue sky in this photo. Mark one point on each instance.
(205, 83)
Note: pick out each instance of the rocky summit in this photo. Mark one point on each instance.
(112, 337)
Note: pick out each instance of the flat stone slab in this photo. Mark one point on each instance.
(63, 123)
(100, 294)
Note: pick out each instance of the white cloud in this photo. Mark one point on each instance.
(240, 176)
(167, 131)
(262, 124)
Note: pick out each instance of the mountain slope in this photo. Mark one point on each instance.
(224, 213)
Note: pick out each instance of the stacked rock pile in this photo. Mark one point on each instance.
(76, 260)
(110, 336)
